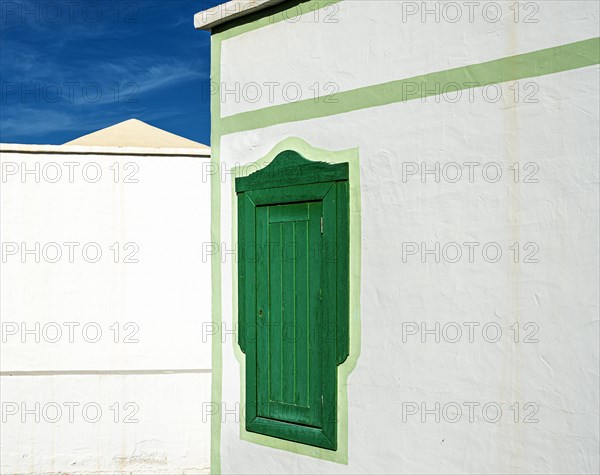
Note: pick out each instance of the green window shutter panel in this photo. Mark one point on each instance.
(293, 296)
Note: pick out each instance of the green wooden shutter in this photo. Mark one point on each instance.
(293, 296)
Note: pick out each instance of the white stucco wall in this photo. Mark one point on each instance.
(104, 363)
(549, 292)
(380, 41)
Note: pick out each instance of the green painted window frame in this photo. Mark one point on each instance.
(291, 178)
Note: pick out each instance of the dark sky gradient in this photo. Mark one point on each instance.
(70, 67)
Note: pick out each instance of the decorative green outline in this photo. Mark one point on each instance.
(216, 393)
(535, 64)
(350, 156)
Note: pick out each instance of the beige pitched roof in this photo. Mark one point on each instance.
(135, 133)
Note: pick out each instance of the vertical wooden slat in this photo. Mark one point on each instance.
(315, 323)
(275, 308)
(258, 258)
(288, 284)
(302, 314)
(329, 307)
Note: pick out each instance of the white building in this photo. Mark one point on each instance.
(468, 340)
(104, 300)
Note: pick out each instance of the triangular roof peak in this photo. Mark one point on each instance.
(135, 133)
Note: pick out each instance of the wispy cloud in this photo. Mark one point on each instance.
(146, 74)
(79, 75)
(38, 121)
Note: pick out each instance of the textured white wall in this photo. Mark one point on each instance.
(381, 41)
(553, 382)
(148, 371)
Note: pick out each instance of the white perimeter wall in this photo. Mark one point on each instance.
(557, 297)
(148, 372)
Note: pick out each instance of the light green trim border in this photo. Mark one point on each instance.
(314, 154)
(216, 392)
(538, 63)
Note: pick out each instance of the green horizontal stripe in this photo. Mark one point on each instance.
(528, 65)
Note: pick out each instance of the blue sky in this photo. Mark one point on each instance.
(70, 67)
